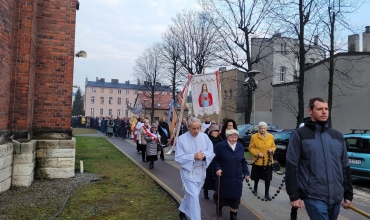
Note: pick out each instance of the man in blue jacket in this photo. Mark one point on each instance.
(317, 168)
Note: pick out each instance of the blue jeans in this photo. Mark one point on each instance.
(320, 210)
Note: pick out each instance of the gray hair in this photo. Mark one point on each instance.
(193, 119)
(262, 124)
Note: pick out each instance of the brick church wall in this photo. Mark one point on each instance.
(24, 59)
(54, 68)
(6, 35)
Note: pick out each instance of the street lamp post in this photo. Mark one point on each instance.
(250, 84)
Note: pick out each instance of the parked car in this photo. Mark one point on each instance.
(246, 131)
(281, 141)
(358, 150)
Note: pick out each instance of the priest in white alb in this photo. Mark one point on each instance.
(194, 153)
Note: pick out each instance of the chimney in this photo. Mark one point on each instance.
(366, 40)
(97, 79)
(353, 43)
(114, 81)
(316, 40)
(102, 80)
(138, 81)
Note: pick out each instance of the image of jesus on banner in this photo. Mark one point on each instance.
(205, 98)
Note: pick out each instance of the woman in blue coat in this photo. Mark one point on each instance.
(232, 168)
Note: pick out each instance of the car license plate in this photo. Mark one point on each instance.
(280, 146)
(353, 161)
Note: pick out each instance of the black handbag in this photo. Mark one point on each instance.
(159, 147)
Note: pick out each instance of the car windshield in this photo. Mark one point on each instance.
(243, 128)
(281, 136)
(358, 144)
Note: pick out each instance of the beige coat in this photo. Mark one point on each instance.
(141, 135)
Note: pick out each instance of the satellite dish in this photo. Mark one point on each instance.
(81, 53)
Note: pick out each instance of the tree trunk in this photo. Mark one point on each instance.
(300, 115)
(331, 65)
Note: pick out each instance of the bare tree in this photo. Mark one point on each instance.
(333, 18)
(171, 58)
(149, 67)
(237, 21)
(301, 21)
(197, 37)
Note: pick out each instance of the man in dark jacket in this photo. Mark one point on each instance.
(183, 127)
(317, 168)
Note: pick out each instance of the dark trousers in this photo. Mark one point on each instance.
(143, 153)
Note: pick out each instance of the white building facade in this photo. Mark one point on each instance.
(111, 98)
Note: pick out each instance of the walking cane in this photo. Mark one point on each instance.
(218, 197)
(359, 211)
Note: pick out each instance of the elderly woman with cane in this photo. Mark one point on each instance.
(231, 169)
(262, 146)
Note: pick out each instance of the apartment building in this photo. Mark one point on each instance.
(279, 64)
(351, 89)
(110, 98)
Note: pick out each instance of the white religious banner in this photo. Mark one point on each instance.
(204, 89)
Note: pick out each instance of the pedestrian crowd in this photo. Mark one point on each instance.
(211, 158)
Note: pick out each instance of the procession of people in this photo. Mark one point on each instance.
(211, 158)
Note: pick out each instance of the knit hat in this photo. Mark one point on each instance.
(213, 128)
(231, 131)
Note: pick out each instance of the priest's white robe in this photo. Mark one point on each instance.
(193, 172)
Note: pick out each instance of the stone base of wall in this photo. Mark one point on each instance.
(24, 163)
(6, 162)
(55, 158)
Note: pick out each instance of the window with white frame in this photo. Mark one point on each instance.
(282, 74)
(102, 90)
(92, 99)
(119, 91)
(119, 101)
(101, 100)
(110, 90)
(93, 89)
(92, 112)
(109, 112)
(127, 100)
(118, 112)
(126, 113)
(127, 92)
(110, 100)
(101, 112)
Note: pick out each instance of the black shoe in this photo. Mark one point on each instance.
(267, 197)
(205, 193)
(182, 216)
(233, 215)
(255, 192)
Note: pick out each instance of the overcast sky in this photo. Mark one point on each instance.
(115, 32)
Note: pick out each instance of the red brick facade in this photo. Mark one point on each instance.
(36, 61)
(7, 8)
